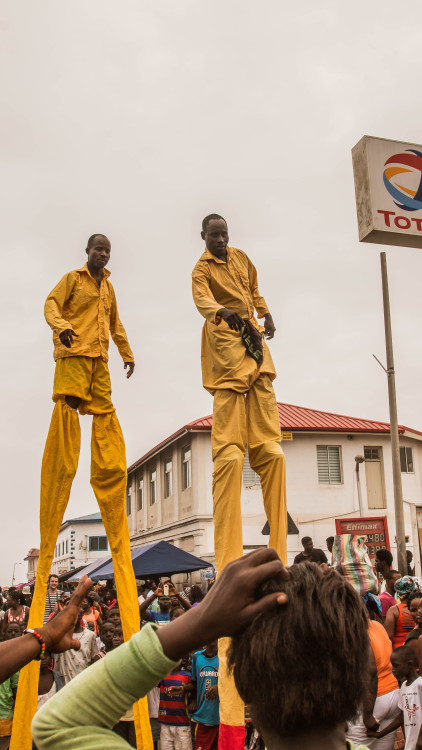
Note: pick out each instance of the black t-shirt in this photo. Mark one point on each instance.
(316, 556)
(414, 635)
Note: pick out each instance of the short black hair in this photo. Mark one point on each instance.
(92, 238)
(290, 691)
(390, 575)
(384, 555)
(306, 539)
(406, 653)
(330, 540)
(52, 575)
(209, 218)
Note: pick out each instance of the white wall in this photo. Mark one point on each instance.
(312, 506)
(77, 536)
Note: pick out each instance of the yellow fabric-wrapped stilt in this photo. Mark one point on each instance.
(241, 419)
(108, 479)
(59, 464)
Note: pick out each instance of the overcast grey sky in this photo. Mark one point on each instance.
(136, 119)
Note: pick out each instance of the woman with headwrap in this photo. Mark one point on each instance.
(399, 622)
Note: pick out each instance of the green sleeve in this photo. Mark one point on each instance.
(81, 716)
(14, 680)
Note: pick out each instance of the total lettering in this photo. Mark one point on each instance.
(401, 222)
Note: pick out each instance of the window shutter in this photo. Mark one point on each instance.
(322, 461)
(329, 466)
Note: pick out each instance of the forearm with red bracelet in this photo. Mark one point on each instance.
(40, 639)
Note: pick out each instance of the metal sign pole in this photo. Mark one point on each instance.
(394, 430)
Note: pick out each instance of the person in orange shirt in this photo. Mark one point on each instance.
(82, 312)
(379, 710)
(238, 371)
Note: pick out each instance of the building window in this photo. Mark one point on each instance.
(250, 477)
(67, 546)
(372, 454)
(140, 498)
(168, 477)
(329, 464)
(186, 467)
(153, 486)
(98, 544)
(406, 460)
(129, 500)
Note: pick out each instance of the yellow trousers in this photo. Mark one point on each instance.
(238, 420)
(108, 480)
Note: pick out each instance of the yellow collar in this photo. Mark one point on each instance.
(207, 255)
(85, 269)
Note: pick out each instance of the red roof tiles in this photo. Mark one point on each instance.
(292, 419)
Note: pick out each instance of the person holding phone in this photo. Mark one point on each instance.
(164, 601)
(165, 593)
(177, 600)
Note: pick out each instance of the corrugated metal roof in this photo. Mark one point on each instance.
(292, 419)
(82, 519)
(299, 418)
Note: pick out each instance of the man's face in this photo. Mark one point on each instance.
(211, 649)
(400, 667)
(308, 546)
(165, 603)
(114, 617)
(216, 236)
(54, 582)
(117, 637)
(107, 632)
(99, 252)
(409, 555)
(13, 631)
(380, 565)
(45, 660)
(389, 585)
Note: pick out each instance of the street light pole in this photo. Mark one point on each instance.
(394, 430)
(14, 568)
(359, 460)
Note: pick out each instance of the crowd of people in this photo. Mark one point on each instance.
(98, 630)
(326, 657)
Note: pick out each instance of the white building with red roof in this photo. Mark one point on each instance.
(169, 492)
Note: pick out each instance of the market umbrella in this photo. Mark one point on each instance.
(158, 558)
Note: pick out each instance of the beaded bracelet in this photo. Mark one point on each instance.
(39, 638)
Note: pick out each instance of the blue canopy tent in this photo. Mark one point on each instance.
(159, 558)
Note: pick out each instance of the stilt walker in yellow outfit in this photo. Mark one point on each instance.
(238, 370)
(82, 311)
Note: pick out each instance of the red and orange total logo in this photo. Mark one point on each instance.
(402, 178)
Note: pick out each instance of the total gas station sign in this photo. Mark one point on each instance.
(388, 186)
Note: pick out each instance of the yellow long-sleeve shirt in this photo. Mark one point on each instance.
(89, 309)
(233, 284)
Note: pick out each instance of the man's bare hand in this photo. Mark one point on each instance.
(211, 693)
(269, 327)
(232, 318)
(58, 632)
(131, 366)
(66, 337)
